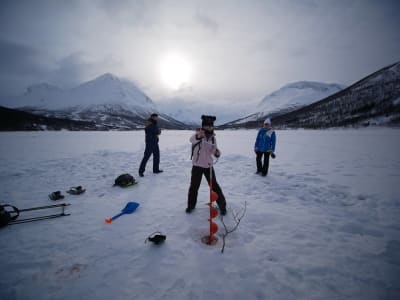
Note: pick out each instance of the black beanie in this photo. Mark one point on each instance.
(207, 120)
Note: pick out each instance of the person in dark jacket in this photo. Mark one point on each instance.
(152, 132)
(265, 146)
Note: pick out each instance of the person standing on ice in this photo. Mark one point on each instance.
(204, 146)
(152, 132)
(265, 146)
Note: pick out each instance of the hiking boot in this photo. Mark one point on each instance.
(159, 171)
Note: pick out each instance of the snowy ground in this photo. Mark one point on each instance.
(324, 224)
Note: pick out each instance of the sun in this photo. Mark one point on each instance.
(175, 71)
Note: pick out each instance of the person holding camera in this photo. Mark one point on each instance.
(152, 132)
(204, 147)
(265, 146)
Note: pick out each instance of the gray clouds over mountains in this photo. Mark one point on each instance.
(239, 50)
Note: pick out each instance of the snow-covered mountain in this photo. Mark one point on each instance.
(290, 97)
(190, 112)
(297, 94)
(373, 100)
(109, 101)
(104, 90)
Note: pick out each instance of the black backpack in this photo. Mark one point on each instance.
(5, 216)
(125, 180)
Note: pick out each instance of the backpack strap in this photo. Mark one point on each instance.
(194, 146)
(198, 144)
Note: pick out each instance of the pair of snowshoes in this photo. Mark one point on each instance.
(77, 190)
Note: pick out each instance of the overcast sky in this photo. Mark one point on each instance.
(237, 50)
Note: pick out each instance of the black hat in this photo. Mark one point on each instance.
(207, 120)
(154, 115)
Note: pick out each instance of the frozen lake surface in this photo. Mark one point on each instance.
(324, 223)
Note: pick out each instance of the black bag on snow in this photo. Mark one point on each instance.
(5, 216)
(125, 180)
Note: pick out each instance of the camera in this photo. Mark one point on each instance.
(208, 120)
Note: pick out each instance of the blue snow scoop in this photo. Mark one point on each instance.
(128, 209)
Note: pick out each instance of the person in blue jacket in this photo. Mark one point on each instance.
(152, 132)
(265, 146)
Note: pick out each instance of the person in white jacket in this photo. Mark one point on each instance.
(204, 146)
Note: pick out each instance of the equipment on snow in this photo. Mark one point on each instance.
(156, 237)
(56, 196)
(125, 180)
(5, 216)
(10, 217)
(128, 209)
(77, 190)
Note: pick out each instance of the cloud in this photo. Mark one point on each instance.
(21, 60)
(70, 70)
(239, 50)
(207, 22)
(21, 65)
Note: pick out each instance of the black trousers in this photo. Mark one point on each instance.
(262, 167)
(197, 174)
(155, 150)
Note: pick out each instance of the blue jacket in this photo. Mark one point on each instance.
(265, 140)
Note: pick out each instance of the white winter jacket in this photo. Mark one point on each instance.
(203, 150)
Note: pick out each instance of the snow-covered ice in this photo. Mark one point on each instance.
(324, 224)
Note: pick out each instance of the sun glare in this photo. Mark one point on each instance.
(175, 71)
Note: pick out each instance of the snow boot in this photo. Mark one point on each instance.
(77, 190)
(156, 238)
(56, 196)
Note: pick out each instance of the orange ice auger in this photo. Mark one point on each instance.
(211, 239)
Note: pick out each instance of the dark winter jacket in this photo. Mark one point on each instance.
(265, 140)
(152, 132)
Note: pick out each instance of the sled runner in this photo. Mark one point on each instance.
(9, 217)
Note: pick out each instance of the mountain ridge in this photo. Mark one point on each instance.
(107, 100)
(372, 100)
